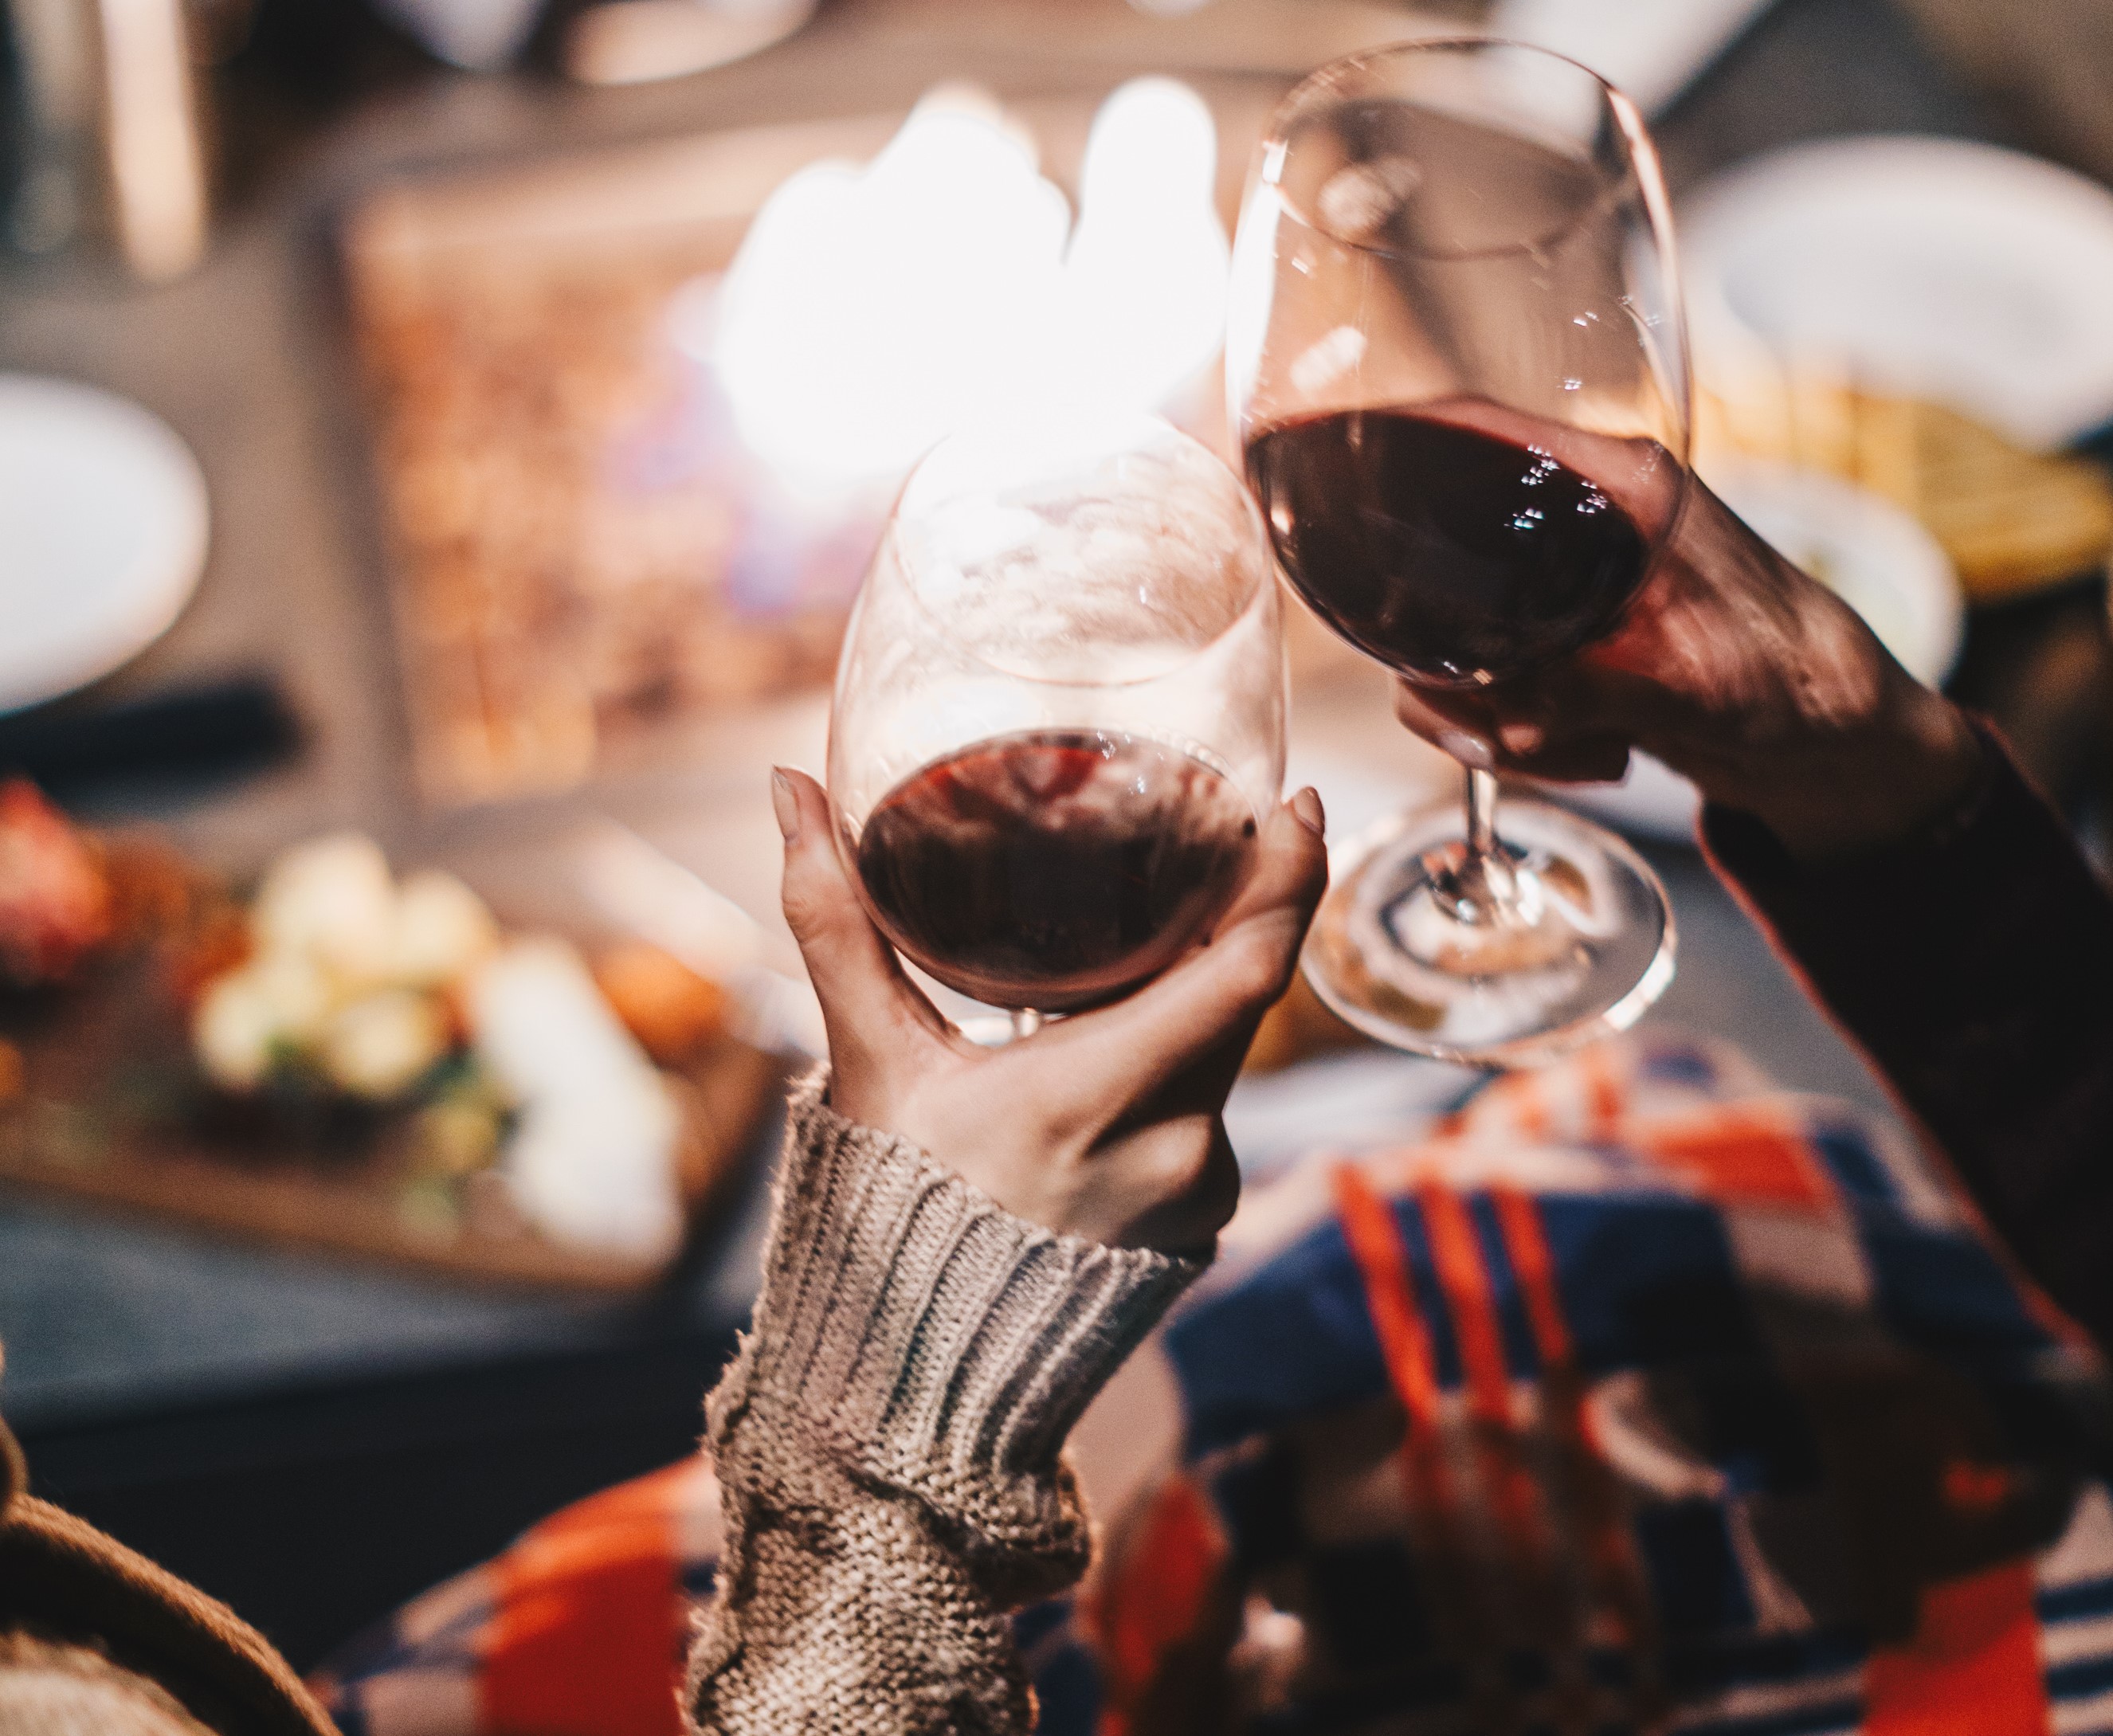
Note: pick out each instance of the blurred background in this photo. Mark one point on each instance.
(439, 442)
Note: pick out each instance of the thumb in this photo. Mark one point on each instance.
(856, 975)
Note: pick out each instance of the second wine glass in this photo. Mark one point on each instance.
(1456, 360)
(1059, 712)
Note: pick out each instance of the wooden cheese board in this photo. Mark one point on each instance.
(102, 1102)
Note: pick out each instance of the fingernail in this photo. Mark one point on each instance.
(1469, 749)
(785, 801)
(1522, 738)
(1307, 809)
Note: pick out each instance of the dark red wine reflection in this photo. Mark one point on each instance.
(1449, 554)
(1055, 869)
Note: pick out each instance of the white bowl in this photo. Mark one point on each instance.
(1932, 268)
(103, 534)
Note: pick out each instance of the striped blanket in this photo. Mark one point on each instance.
(1635, 1395)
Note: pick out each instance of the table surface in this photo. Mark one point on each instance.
(103, 1320)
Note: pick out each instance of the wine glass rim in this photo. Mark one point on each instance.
(1276, 141)
(1264, 580)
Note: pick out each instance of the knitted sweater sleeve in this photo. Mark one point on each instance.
(889, 1444)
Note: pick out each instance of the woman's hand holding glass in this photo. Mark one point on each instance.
(1746, 676)
(1054, 758)
(1105, 1125)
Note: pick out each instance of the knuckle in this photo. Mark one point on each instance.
(1071, 1126)
(810, 912)
(1295, 856)
(1313, 879)
(1258, 963)
(1218, 1190)
(1190, 1193)
(802, 915)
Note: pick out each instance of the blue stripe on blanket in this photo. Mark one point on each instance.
(2075, 1602)
(1292, 1340)
(1645, 1279)
(1696, 1672)
(1821, 1720)
(2084, 1679)
(1948, 1293)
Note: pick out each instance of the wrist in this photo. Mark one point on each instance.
(1851, 785)
(923, 1334)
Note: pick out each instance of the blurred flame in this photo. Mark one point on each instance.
(870, 311)
(1143, 306)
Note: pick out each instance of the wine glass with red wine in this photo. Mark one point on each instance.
(1456, 362)
(1059, 714)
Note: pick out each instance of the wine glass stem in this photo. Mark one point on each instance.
(1481, 812)
(1025, 1022)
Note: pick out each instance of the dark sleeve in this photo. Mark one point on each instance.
(1974, 966)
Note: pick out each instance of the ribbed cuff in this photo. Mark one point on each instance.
(936, 1342)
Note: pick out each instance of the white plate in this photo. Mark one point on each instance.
(103, 534)
(1877, 558)
(1651, 49)
(1933, 267)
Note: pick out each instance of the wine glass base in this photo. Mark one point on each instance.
(1586, 946)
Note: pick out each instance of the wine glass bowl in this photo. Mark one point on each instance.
(1059, 710)
(1456, 362)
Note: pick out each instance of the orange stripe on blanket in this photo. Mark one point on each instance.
(1157, 1600)
(1737, 1157)
(1524, 1242)
(1614, 1573)
(1375, 1239)
(1368, 1226)
(1523, 1098)
(1973, 1668)
(589, 1622)
(1605, 1094)
(1458, 1257)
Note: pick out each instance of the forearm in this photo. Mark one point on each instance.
(1900, 761)
(845, 1608)
(1938, 908)
(1972, 958)
(1790, 709)
(889, 1443)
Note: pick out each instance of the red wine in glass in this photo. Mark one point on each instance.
(1451, 553)
(1055, 869)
